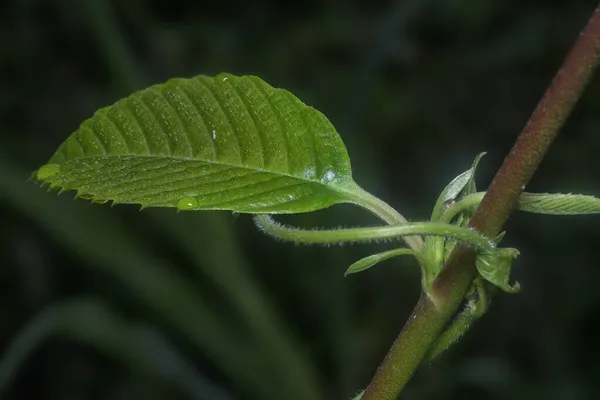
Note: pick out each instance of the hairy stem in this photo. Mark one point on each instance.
(427, 321)
(474, 309)
(352, 235)
(461, 205)
(461, 323)
(387, 214)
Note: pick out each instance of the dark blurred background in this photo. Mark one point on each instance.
(112, 303)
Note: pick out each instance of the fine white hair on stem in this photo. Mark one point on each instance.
(370, 234)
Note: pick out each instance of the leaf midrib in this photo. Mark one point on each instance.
(345, 190)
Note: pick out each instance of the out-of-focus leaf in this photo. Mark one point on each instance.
(89, 321)
(216, 254)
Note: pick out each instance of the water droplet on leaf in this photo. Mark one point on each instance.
(214, 134)
(47, 171)
(187, 203)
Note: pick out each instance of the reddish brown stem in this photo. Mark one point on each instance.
(428, 320)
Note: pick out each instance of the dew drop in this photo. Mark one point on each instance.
(47, 171)
(214, 134)
(187, 203)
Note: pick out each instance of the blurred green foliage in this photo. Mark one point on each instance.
(113, 303)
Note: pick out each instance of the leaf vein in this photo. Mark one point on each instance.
(175, 112)
(106, 178)
(94, 134)
(163, 192)
(246, 107)
(225, 118)
(263, 193)
(119, 132)
(127, 109)
(195, 108)
(143, 103)
(278, 117)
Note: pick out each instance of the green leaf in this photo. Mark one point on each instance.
(499, 237)
(367, 262)
(228, 143)
(450, 192)
(470, 187)
(464, 182)
(437, 249)
(559, 204)
(495, 267)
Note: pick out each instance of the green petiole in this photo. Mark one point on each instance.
(371, 234)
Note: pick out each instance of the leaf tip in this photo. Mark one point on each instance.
(47, 171)
(516, 288)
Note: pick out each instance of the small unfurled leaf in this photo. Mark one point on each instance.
(559, 204)
(470, 187)
(463, 182)
(450, 192)
(368, 262)
(495, 267)
(438, 248)
(228, 143)
(499, 237)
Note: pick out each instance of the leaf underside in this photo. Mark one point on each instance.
(228, 142)
(559, 204)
